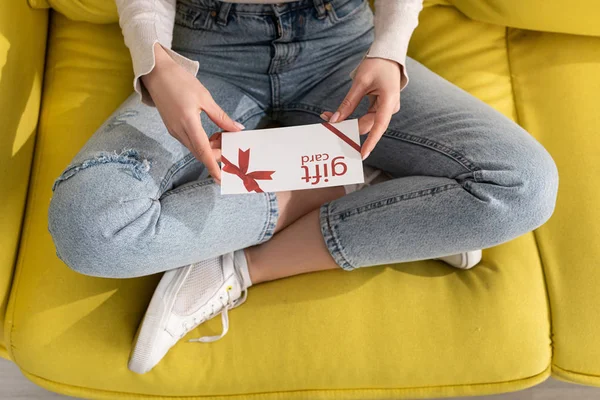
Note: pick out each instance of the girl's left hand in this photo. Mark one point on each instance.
(380, 80)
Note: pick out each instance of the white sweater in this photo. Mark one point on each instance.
(145, 22)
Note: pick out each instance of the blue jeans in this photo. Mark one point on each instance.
(135, 202)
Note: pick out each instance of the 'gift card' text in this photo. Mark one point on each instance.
(319, 166)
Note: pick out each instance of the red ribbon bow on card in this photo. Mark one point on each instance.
(249, 179)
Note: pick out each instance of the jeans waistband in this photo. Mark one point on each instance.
(223, 9)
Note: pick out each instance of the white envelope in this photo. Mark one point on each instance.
(291, 158)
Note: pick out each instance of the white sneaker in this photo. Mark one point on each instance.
(465, 260)
(184, 298)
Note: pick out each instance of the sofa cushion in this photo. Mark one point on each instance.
(96, 11)
(550, 83)
(557, 92)
(418, 329)
(468, 53)
(22, 50)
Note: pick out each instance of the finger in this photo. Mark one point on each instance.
(215, 145)
(365, 123)
(200, 145)
(372, 103)
(215, 140)
(186, 142)
(220, 117)
(350, 102)
(383, 117)
(217, 154)
(326, 115)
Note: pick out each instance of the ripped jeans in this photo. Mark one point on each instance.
(134, 201)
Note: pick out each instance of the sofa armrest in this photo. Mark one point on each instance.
(22, 51)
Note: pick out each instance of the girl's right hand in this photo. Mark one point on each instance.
(180, 98)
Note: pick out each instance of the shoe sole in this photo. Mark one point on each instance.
(153, 323)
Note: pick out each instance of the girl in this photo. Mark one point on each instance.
(138, 199)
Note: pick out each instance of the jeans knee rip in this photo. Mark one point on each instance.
(128, 157)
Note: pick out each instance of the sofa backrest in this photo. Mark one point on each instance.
(578, 17)
(581, 17)
(96, 11)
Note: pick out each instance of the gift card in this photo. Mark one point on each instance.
(291, 158)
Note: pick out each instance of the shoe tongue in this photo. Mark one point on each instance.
(228, 264)
(203, 280)
(241, 265)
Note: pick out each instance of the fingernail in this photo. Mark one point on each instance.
(366, 155)
(335, 117)
(323, 116)
(239, 125)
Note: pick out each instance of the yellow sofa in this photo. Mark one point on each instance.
(412, 330)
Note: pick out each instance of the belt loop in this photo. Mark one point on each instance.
(224, 8)
(320, 6)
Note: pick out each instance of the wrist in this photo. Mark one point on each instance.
(161, 59)
(160, 54)
(389, 61)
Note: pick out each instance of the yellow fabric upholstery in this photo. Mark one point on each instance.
(580, 17)
(410, 330)
(549, 83)
(385, 317)
(557, 94)
(22, 45)
(97, 11)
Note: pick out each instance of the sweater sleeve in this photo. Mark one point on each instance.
(144, 23)
(395, 21)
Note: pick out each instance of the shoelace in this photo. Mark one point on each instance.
(224, 313)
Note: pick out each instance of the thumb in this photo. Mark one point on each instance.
(220, 117)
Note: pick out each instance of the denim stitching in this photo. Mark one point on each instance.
(331, 240)
(294, 49)
(302, 107)
(272, 217)
(275, 90)
(344, 214)
(201, 183)
(175, 168)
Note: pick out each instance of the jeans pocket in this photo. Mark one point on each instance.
(344, 10)
(194, 17)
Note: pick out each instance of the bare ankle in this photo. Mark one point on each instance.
(252, 269)
(295, 204)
